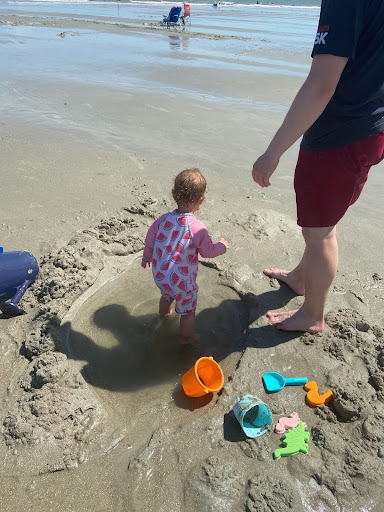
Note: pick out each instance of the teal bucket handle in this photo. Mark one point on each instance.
(296, 381)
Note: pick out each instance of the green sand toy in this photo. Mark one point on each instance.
(294, 441)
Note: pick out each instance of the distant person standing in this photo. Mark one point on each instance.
(340, 112)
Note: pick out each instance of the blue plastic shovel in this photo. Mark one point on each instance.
(275, 382)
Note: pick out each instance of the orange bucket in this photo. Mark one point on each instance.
(204, 377)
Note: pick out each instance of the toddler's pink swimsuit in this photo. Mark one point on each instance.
(173, 244)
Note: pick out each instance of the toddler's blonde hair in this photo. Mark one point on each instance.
(189, 187)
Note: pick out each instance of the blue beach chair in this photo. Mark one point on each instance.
(173, 18)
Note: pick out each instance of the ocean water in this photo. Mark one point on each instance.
(222, 3)
(244, 20)
(240, 37)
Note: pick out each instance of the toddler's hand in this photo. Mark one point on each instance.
(145, 263)
(224, 242)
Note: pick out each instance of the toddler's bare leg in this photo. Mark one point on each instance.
(165, 308)
(187, 323)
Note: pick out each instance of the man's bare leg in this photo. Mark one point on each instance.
(320, 267)
(292, 278)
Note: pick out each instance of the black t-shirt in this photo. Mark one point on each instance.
(353, 29)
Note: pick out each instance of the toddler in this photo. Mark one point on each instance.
(173, 244)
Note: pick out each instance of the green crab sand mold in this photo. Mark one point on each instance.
(294, 441)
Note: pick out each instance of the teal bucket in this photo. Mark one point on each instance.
(253, 415)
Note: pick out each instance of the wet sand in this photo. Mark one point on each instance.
(96, 122)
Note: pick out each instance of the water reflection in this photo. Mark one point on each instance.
(177, 42)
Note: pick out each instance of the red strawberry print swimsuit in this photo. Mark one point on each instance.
(173, 244)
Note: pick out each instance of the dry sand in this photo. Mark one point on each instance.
(93, 414)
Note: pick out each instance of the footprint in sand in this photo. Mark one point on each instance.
(266, 225)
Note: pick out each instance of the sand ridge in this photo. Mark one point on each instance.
(106, 26)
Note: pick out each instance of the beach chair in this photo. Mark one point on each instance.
(186, 16)
(173, 18)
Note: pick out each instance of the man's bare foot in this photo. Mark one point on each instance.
(287, 278)
(278, 316)
(295, 320)
(187, 340)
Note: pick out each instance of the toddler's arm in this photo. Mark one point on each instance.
(203, 242)
(150, 241)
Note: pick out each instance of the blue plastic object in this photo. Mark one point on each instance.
(253, 415)
(275, 382)
(17, 271)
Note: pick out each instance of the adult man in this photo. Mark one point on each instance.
(340, 111)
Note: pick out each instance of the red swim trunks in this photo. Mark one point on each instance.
(328, 182)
